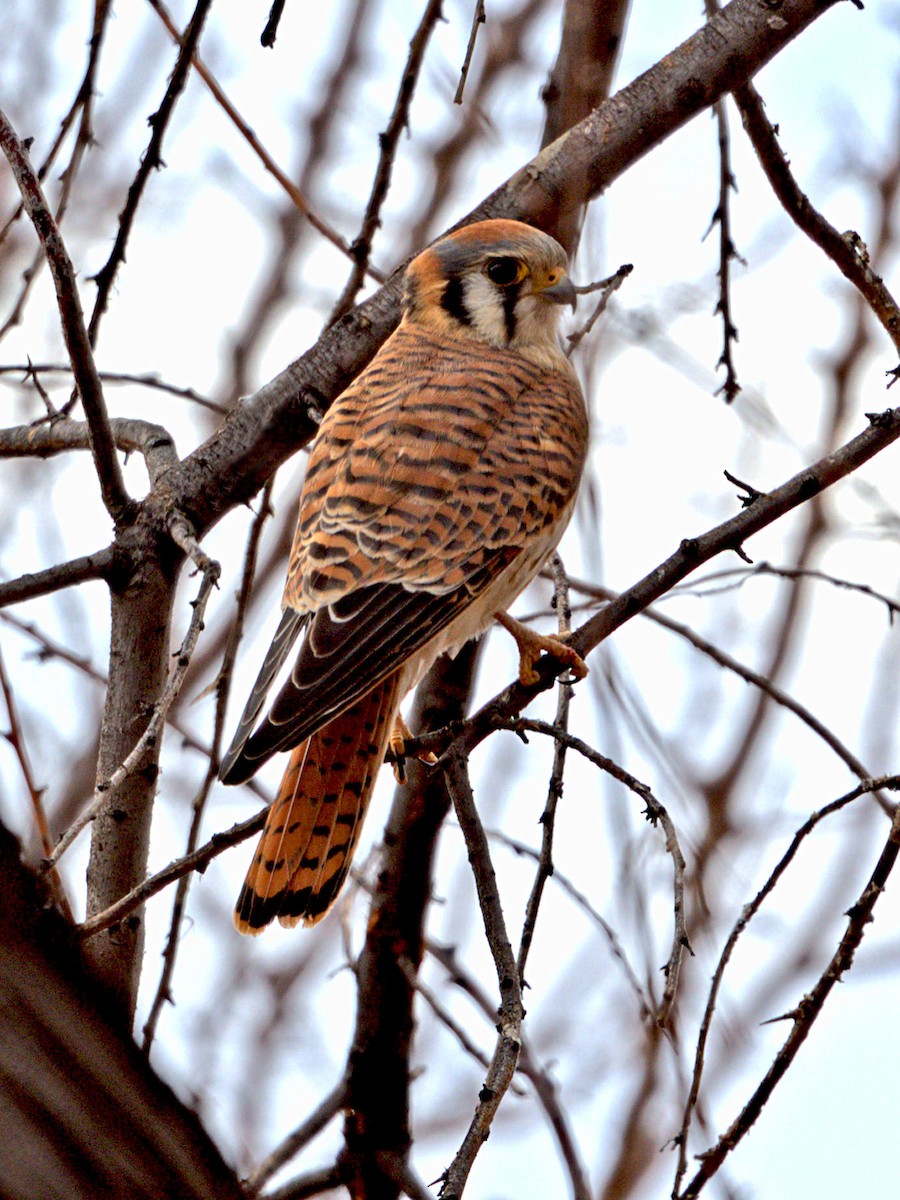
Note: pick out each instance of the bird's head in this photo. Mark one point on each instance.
(501, 282)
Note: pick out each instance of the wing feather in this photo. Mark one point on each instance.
(235, 769)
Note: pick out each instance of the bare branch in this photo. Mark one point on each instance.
(53, 579)
(112, 485)
(846, 252)
(151, 161)
(809, 1008)
(182, 534)
(399, 120)
(478, 20)
(257, 147)
(325, 1111)
(197, 861)
(43, 440)
(506, 1054)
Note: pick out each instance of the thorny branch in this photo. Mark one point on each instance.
(656, 814)
(152, 160)
(727, 254)
(284, 181)
(109, 473)
(884, 429)
(808, 1009)
(847, 252)
(388, 141)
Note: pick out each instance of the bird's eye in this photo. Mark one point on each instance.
(505, 271)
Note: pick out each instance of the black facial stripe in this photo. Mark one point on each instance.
(453, 301)
(510, 300)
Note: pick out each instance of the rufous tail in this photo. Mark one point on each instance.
(313, 825)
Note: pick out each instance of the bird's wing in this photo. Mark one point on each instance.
(285, 636)
(429, 477)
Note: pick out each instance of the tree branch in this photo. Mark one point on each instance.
(112, 486)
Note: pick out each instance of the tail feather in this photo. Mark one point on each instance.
(314, 823)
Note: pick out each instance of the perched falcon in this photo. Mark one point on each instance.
(439, 483)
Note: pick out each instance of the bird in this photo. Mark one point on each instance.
(439, 483)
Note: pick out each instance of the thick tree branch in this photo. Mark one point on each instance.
(82, 1114)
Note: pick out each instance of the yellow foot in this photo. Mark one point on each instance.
(400, 734)
(532, 645)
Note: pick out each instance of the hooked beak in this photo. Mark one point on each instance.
(560, 292)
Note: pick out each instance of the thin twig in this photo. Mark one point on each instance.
(844, 251)
(183, 536)
(151, 160)
(609, 285)
(545, 1089)
(656, 814)
(49, 648)
(287, 184)
(449, 1021)
(645, 1009)
(478, 19)
(142, 379)
(554, 791)
(84, 139)
(109, 473)
(506, 1054)
(16, 739)
(387, 141)
(324, 1112)
(743, 574)
(809, 1008)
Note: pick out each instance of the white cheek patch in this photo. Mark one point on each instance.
(485, 308)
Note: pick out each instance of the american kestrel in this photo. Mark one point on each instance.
(439, 483)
